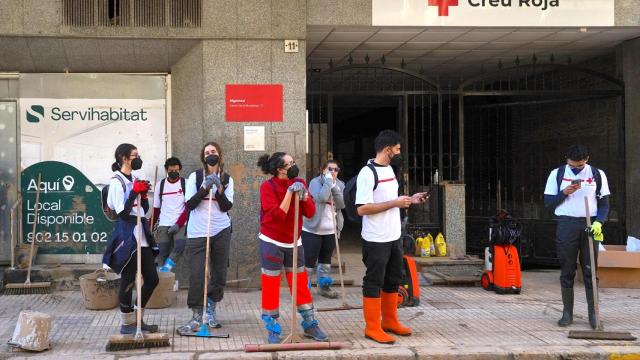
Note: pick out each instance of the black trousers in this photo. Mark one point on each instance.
(128, 280)
(571, 242)
(317, 248)
(219, 246)
(384, 267)
(170, 245)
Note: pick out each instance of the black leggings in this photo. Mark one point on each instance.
(317, 248)
(128, 280)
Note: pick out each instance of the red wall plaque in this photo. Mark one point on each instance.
(255, 102)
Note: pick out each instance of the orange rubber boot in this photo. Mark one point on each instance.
(390, 315)
(373, 330)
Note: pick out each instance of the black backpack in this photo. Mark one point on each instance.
(110, 213)
(182, 184)
(594, 171)
(350, 189)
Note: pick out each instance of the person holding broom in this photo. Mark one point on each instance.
(122, 196)
(320, 232)
(198, 190)
(277, 210)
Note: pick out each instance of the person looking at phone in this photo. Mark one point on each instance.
(379, 205)
(566, 188)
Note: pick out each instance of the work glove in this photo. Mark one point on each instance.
(297, 187)
(210, 181)
(140, 187)
(173, 229)
(328, 177)
(596, 228)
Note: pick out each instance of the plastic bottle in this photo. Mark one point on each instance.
(418, 248)
(441, 245)
(425, 248)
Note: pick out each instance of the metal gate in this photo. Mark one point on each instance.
(498, 132)
(518, 123)
(426, 119)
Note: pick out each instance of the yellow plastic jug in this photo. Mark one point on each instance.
(425, 248)
(441, 245)
(418, 247)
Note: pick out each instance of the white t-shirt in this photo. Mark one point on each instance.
(116, 198)
(573, 205)
(197, 225)
(383, 226)
(172, 202)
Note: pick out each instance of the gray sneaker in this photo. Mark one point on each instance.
(194, 324)
(210, 317)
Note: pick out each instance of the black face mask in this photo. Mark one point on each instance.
(136, 164)
(212, 160)
(174, 175)
(396, 160)
(293, 171)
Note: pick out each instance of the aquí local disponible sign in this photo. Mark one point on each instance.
(69, 211)
(494, 13)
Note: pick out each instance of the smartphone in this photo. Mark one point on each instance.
(576, 182)
(427, 194)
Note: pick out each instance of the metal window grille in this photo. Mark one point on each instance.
(132, 13)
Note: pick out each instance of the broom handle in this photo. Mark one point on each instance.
(138, 270)
(13, 235)
(335, 234)
(33, 232)
(155, 181)
(206, 259)
(294, 282)
(594, 268)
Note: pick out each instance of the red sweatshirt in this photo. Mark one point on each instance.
(275, 223)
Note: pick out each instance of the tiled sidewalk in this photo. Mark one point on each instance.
(450, 320)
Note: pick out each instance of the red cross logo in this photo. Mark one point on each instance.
(443, 6)
(179, 191)
(589, 181)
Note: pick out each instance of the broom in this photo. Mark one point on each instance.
(598, 333)
(152, 220)
(204, 328)
(344, 305)
(28, 287)
(12, 221)
(138, 341)
(293, 341)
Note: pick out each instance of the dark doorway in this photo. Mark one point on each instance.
(356, 122)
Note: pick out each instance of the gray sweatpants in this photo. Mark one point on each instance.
(219, 246)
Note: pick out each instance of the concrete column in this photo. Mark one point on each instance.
(454, 219)
(198, 116)
(631, 76)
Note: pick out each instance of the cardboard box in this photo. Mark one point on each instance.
(617, 268)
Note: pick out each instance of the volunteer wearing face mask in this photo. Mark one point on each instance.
(319, 232)
(379, 205)
(199, 184)
(276, 243)
(564, 194)
(124, 189)
(170, 215)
